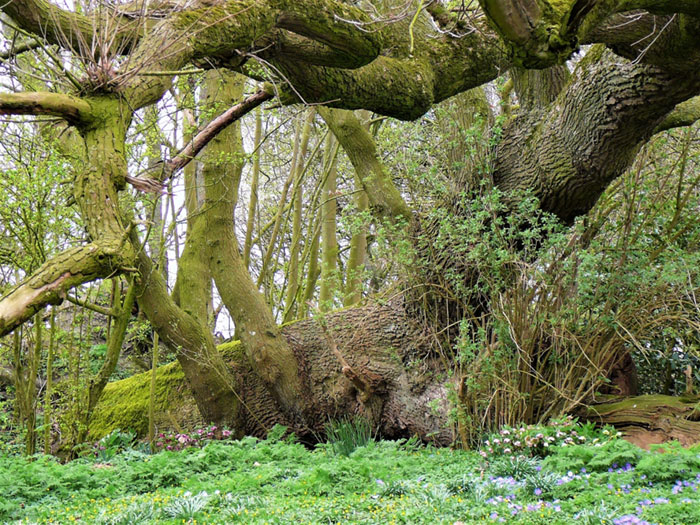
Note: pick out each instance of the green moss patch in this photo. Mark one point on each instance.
(124, 404)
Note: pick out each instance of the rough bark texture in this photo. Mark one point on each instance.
(566, 150)
(568, 153)
(651, 419)
(375, 343)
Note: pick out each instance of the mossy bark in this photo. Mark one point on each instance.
(270, 356)
(398, 399)
(385, 198)
(212, 386)
(329, 242)
(568, 153)
(671, 417)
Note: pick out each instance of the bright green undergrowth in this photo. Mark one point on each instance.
(280, 481)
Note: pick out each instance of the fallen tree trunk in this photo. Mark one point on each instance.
(356, 361)
(651, 419)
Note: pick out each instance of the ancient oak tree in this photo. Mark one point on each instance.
(595, 79)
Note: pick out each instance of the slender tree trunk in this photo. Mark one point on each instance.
(48, 390)
(121, 318)
(297, 199)
(312, 274)
(358, 254)
(329, 242)
(152, 392)
(253, 204)
(32, 399)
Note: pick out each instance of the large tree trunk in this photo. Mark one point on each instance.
(653, 419)
(358, 365)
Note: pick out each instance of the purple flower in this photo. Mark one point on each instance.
(538, 492)
(629, 519)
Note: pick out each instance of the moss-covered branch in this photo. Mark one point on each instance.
(684, 114)
(385, 198)
(73, 109)
(665, 7)
(50, 283)
(207, 377)
(667, 416)
(70, 29)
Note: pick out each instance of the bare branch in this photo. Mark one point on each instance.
(202, 138)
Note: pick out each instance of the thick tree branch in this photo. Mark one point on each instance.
(73, 109)
(50, 283)
(384, 197)
(684, 114)
(70, 29)
(216, 32)
(664, 7)
(669, 42)
(541, 33)
(569, 153)
(538, 33)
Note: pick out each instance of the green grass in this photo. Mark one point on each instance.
(279, 481)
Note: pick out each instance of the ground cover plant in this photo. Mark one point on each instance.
(600, 479)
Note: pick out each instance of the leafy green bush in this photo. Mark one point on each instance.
(612, 455)
(669, 462)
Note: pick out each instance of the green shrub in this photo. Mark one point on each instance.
(669, 462)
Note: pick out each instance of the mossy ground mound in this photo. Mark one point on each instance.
(124, 404)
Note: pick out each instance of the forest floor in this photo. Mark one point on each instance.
(557, 474)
